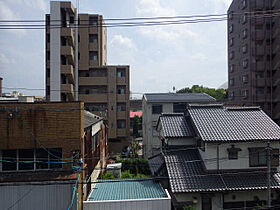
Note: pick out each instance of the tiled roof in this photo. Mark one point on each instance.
(157, 165)
(90, 119)
(218, 123)
(175, 125)
(186, 174)
(126, 189)
(179, 97)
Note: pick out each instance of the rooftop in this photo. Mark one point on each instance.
(175, 125)
(126, 189)
(186, 174)
(179, 97)
(219, 123)
(90, 119)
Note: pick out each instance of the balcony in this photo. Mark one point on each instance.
(93, 63)
(68, 32)
(274, 3)
(260, 66)
(260, 82)
(87, 81)
(68, 51)
(68, 70)
(67, 88)
(93, 30)
(257, 21)
(258, 35)
(93, 98)
(121, 80)
(93, 47)
(122, 115)
(121, 132)
(121, 97)
(276, 62)
(258, 51)
(276, 32)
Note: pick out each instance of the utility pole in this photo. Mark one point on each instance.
(268, 149)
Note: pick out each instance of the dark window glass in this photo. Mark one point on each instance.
(179, 107)
(121, 124)
(9, 160)
(157, 109)
(41, 156)
(55, 157)
(26, 155)
(257, 157)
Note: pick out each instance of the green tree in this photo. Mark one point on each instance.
(216, 93)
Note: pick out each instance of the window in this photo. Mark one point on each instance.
(72, 19)
(10, 156)
(257, 157)
(93, 38)
(231, 55)
(231, 68)
(230, 29)
(245, 78)
(26, 155)
(244, 4)
(231, 82)
(244, 19)
(93, 21)
(245, 33)
(121, 89)
(179, 107)
(245, 93)
(121, 124)
(157, 109)
(260, 91)
(231, 94)
(41, 159)
(244, 48)
(42, 156)
(93, 55)
(121, 72)
(259, 75)
(245, 63)
(233, 153)
(230, 16)
(121, 107)
(231, 42)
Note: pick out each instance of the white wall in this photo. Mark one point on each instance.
(150, 142)
(224, 163)
(140, 204)
(55, 53)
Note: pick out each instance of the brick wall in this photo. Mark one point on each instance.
(55, 125)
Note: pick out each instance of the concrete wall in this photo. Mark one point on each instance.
(43, 197)
(55, 53)
(143, 204)
(151, 142)
(224, 163)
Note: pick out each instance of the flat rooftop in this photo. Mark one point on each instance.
(126, 189)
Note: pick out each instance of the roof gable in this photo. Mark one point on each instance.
(219, 123)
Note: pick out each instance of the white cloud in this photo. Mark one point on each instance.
(154, 8)
(41, 5)
(219, 6)
(5, 59)
(122, 49)
(6, 13)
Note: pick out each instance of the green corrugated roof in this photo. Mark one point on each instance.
(126, 189)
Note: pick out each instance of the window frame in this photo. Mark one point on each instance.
(155, 106)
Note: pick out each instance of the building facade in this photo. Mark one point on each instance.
(156, 103)
(76, 69)
(253, 55)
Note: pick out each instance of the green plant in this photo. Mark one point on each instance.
(189, 207)
(108, 175)
(126, 175)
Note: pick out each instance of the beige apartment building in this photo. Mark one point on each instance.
(254, 55)
(77, 70)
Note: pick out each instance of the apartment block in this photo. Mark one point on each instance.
(254, 55)
(77, 69)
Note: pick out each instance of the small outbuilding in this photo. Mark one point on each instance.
(127, 194)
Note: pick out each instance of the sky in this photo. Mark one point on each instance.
(160, 57)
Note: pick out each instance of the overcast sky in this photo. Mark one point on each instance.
(159, 57)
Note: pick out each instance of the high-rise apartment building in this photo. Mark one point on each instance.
(76, 69)
(254, 55)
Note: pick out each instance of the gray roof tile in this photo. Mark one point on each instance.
(90, 119)
(186, 174)
(179, 97)
(175, 125)
(218, 123)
